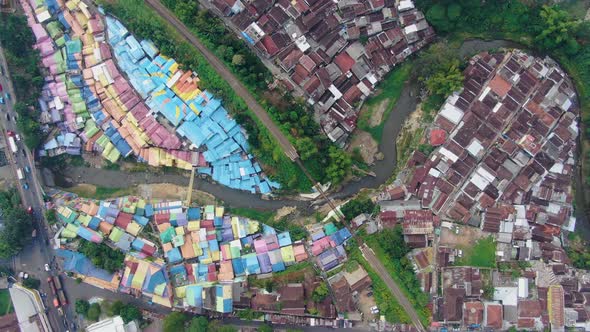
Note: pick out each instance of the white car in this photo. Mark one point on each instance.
(374, 310)
(17, 137)
(47, 268)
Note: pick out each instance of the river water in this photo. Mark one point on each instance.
(382, 169)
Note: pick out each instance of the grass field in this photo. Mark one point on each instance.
(388, 91)
(482, 254)
(5, 302)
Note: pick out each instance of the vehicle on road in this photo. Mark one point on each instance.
(7, 96)
(12, 144)
(374, 310)
(27, 169)
(7, 116)
(2, 101)
(30, 210)
(1, 88)
(17, 136)
(26, 186)
(19, 174)
(47, 268)
(10, 133)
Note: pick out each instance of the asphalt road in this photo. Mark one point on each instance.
(33, 258)
(226, 74)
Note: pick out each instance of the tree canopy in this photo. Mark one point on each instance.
(357, 206)
(320, 292)
(82, 307)
(18, 226)
(102, 256)
(93, 313)
(175, 322)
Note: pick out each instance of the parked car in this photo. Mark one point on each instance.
(25, 186)
(27, 169)
(30, 210)
(47, 268)
(2, 100)
(374, 310)
(17, 136)
(10, 133)
(1, 88)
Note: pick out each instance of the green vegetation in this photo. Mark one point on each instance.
(18, 226)
(93, 313)
(438, 70)
(292, 116)
(263, 216)
(199, 324)
(97, 192)
(548, 29)
(320, 292)
(102, 256)
(17, 41)
(51, 216)
(81, 307)
(391, 249)
(32, 283)
(248, 314)
(296, 231)
(482, 254)
(264, 328)
(127, 311)
(387, 303)
(388, 92)
(5, 302)
(578, 251)
(357, 206)
(175, 322)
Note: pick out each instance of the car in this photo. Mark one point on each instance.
(374, 310)
(17, 136)
(1, 88)
(30, 210)
(27, 169)
(25, 186)
(7, 95)
(369, 294)
(10, 133)
(7, 117)
(2, 101)
(47, 268)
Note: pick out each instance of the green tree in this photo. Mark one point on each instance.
(306, 148)
(82, 307)
(93, 313)
(320, 292)
(115, 308)
(175, 322)
(17, 228)
(339, 165)
(237, 60)
(264, 328)
(444, 83)
(129, 313)
(32, 283)
(558, 28)
(357, 206)
(199, 324)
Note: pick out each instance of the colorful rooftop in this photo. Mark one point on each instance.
(157, 114)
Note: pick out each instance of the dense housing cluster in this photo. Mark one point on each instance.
(108, 93)
(191, 258)
(503, 162)
(336, 52)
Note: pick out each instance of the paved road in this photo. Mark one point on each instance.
(33, 258)
(226, 74)
(369, 255)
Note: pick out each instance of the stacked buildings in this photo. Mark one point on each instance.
(503, 162)
(192, 258)
(108, 93)
(335, 52)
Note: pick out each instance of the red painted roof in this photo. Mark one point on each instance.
(270, 46)
(437, 137)
(344, 61)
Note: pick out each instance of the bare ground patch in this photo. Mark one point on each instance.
(377, 112)
(466, 237)
(172, 191)
(367, 146)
